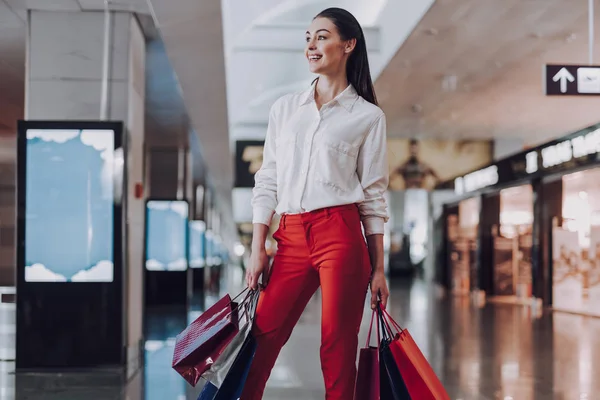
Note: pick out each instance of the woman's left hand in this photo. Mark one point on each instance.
(379, 288)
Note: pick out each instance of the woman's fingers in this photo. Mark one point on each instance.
(373, 299)
(249, 278)
(384, 299)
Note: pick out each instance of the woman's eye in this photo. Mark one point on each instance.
(321, 37)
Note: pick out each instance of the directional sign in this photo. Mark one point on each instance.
(572, 80)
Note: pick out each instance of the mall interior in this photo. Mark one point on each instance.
(493, 147)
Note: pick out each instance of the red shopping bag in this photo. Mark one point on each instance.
(421, 381)
(367, 377)
(203, 341)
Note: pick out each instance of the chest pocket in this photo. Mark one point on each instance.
(335, 164)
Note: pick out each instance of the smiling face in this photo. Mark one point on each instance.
(325, 50)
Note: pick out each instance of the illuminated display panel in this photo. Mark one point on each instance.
(69, 196)
(166, 235)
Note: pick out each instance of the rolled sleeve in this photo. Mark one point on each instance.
(373, 172)
(374, 225)
(262, 215)
(264, 193)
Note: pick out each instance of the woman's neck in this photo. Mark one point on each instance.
(327, 88)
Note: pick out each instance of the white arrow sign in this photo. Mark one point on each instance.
(563, 75)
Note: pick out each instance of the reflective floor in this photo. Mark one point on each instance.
(493, 352)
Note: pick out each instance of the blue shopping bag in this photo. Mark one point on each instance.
(234, 382)
(208, 392)
(232, 386)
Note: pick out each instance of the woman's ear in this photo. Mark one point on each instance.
(350, 45)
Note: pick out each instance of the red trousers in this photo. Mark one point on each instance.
(321, 248)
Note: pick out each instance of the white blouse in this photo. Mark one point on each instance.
(322, 158)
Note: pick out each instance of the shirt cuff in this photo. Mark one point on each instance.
(262, 215)
(374, 225)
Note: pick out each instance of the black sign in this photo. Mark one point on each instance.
(572, 80)
(577, 150)
(248, 160)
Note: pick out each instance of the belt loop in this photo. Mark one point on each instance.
(283, 218)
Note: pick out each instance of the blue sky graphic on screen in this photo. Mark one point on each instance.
(69, 201)
(167, 227)
(196, 242)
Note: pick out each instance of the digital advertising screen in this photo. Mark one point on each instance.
(167, 235)
(69, 205)
(196, 244)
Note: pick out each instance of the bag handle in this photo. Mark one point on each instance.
(390, 319)
(381, 322)
(236, 306)
(250, 305)
(239, 294)
(371, 329)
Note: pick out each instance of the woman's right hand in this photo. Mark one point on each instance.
(259, 265)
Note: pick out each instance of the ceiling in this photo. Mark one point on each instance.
(473, 69)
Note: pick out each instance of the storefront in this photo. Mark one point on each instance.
(576, 245)
(537, 230)
(512, 243)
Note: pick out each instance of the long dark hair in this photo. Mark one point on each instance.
(357, 67)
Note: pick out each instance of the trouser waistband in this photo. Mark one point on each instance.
(308, 216)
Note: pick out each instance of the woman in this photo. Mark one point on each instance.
(324, 171)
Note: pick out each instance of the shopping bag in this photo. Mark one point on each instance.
(416, 372)
(385, 386)
(208, 392)
(234, 382)
(396, 388)
(218, 370)
(367, 376)
(203, 341)
(391, 382)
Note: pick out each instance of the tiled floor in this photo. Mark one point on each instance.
(493, 352)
